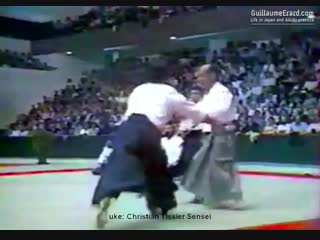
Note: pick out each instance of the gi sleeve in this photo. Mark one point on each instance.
(216, 104)
(185, 109)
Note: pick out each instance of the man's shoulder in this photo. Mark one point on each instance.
(156, 86)
(218, 91)
(219, 87)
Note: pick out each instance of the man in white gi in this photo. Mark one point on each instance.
(138, 162)
(212, 174)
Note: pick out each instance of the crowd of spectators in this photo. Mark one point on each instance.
(113, 17)
(84, 109)
(277, 85)
(14, 59)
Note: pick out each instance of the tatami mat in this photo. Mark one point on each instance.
(62, 201)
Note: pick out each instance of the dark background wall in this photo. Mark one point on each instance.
(275, 149)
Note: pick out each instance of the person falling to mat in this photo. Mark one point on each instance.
(137, 162)
(179, 147)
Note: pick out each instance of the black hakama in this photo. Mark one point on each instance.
(137, 164)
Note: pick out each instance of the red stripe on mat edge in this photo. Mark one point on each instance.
(278, 174)
(43, 172)
(310, 224)
(65, 171)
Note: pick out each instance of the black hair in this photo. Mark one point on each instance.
(159, 74)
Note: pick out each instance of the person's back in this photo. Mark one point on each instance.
(159, 103)
(145, 100)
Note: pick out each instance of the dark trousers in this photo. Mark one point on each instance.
(137, 164)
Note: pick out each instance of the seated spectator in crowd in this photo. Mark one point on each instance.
(258, 119)
(18, 131)
(284, 128)
(89, 130)
(271, 126)
(299, 126)
(314, 127)
(250, 126)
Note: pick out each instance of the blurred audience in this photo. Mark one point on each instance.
(277, 85)
(76, 110)
(21, 60)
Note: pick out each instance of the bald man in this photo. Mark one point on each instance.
(212, 174)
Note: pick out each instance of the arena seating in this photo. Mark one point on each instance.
(277, 85)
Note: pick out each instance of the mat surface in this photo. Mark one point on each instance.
(62, 201)
(58, 196)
